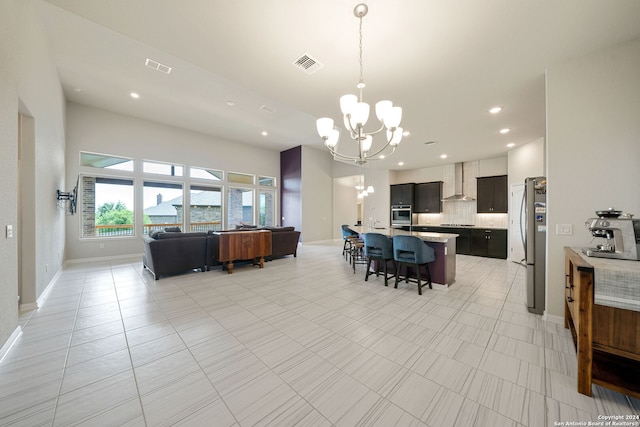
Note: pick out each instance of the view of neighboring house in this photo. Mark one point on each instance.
(205, 212)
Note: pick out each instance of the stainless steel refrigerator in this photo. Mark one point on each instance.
(534, 235)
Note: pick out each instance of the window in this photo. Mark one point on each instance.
(161, 168)
(266, 207)
(240, 178)
(162, 202)
(267, 181)
(239, 206)
(205, 209)
(209, 174)
(105, 161)
(107, 207)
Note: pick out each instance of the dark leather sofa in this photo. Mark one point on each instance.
(284, 241)
(174, 252)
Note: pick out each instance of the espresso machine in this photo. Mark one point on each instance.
(620, 238)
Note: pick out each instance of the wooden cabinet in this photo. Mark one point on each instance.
(491, 243)
(241, 245)
(607, 339)
(428, 197)
(402, 194)
(463, 241)
(492, 194)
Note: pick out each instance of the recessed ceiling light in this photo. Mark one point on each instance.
(231, 104)
(264, 133)
(511, 144)
(400, 163)
(495, 110)
(77, 89)
(406, 133)
(443, 156)
(134, 95)
(382, 156)
(505, 130)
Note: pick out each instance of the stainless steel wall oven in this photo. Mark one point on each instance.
(401, 215)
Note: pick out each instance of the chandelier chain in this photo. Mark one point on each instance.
(361, 66)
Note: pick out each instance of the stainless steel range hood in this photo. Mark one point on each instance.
(458, 195)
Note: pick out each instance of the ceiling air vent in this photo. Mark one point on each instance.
(268, 109)
(307, 63)
(157, 66)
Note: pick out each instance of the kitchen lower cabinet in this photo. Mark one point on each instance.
(489, 243)
(485, 242)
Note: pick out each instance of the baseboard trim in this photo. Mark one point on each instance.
(106, 258)
(553, 319)
(28, 307)
(10, 342)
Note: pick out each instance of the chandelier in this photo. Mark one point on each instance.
(356, 114)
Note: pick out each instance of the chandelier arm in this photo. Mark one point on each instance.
(373, 156)
(355, 159)
(354, 132)
(380, 129)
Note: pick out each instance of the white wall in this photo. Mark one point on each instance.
(526, 161)
(96, 130)
(593, 148)
(317, 195)
(29, 82)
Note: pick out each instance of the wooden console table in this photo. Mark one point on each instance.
(242, 245)
(607, 338)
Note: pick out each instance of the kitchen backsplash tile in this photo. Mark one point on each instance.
(463, 213)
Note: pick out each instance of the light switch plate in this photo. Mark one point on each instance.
(9, 232)
(564, 229)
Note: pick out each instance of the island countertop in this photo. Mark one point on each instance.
(424, 235)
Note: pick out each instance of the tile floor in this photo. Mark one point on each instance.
(302, 342)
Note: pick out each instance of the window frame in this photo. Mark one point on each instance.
(81, 191)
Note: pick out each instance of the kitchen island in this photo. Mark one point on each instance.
(443, 269)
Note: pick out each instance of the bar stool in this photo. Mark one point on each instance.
(379, 248)
(357, 252)
(347, 235)
(412, 251)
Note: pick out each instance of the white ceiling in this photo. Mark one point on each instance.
(446, 62)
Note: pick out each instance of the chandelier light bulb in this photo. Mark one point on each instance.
(360, 114)
(370, 189)
(367, 142)
(324, 126)
(332, 140)
(393, 118)
(382, 109)
(394, 136)
(348, 103)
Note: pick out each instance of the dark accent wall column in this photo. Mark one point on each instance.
(291, 187)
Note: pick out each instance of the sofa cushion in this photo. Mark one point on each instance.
(174, 235)
(277, 229)
(246, 227)
(154, 234)
(172, 229)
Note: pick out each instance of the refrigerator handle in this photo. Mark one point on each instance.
(523, 212)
